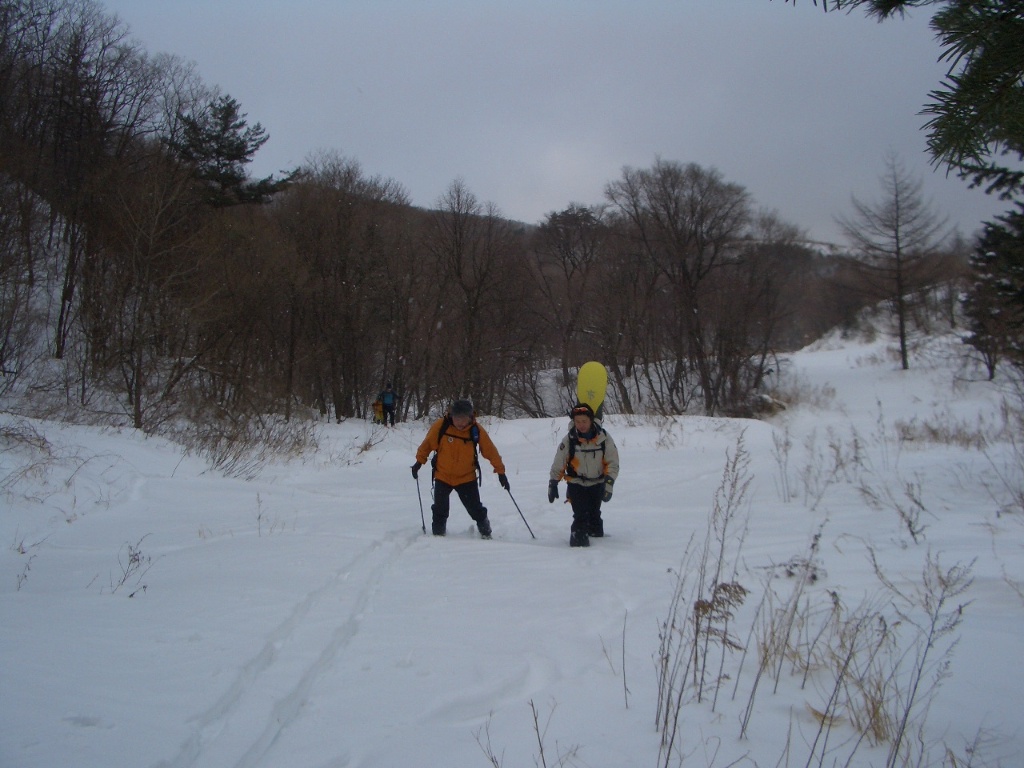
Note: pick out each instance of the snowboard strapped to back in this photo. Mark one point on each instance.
(591, 383)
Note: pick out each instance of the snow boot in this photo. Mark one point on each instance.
(484, 526)
(579, 539)
(438, 528)
(597, 529)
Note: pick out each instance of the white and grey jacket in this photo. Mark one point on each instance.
(586, 461)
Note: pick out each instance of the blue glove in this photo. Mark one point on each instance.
(416, 471)
(503, 481)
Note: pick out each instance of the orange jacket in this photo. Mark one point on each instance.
(455, 454)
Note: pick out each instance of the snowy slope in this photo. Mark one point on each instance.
(155, 613)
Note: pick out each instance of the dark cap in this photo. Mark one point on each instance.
(462, 408)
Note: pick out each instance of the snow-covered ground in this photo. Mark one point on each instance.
(155, 613)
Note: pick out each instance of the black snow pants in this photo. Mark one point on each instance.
(469, 495)
(586, 508)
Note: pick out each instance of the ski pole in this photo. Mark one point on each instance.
(419, 496)
(520, 512)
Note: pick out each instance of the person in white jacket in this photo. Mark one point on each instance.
(589, 461)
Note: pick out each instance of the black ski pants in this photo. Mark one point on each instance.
(586, 507)
(469, 495)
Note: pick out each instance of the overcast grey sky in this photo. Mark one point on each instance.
(536, 104)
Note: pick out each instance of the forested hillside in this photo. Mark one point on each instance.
(148, 278)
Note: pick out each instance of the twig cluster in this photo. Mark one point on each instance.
(242, 447)
(132, 566)
(562, 757)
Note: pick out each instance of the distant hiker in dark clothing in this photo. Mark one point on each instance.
(589, 461)
(453, 440)
(388, 401)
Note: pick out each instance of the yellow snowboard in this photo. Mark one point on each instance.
(591, 383)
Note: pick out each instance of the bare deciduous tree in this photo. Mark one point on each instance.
(149, 286)
(897, 243)
(20, 260)
(687, 221)
(472, 249)
(568, 248)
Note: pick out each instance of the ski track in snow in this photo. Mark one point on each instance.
(219, 738)
(513, 684)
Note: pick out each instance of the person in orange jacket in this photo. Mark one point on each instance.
(453, 440)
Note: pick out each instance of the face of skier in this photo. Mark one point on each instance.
(582, 423)
(461, 421)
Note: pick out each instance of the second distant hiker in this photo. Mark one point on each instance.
(389, 402)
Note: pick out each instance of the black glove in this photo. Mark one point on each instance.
(552, 491)
(503, 481)
(608, 483)
(416, 471)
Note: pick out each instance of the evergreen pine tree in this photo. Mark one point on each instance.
(219, 143)
(995, 303)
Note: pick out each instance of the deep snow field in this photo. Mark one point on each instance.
(157, 613)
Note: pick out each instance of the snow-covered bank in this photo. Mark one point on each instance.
(158, 614)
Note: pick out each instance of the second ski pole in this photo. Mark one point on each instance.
(423, 521)
(520, 513)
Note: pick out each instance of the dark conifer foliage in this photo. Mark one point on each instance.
(976, 114)
(219, 143)
(995, 303)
